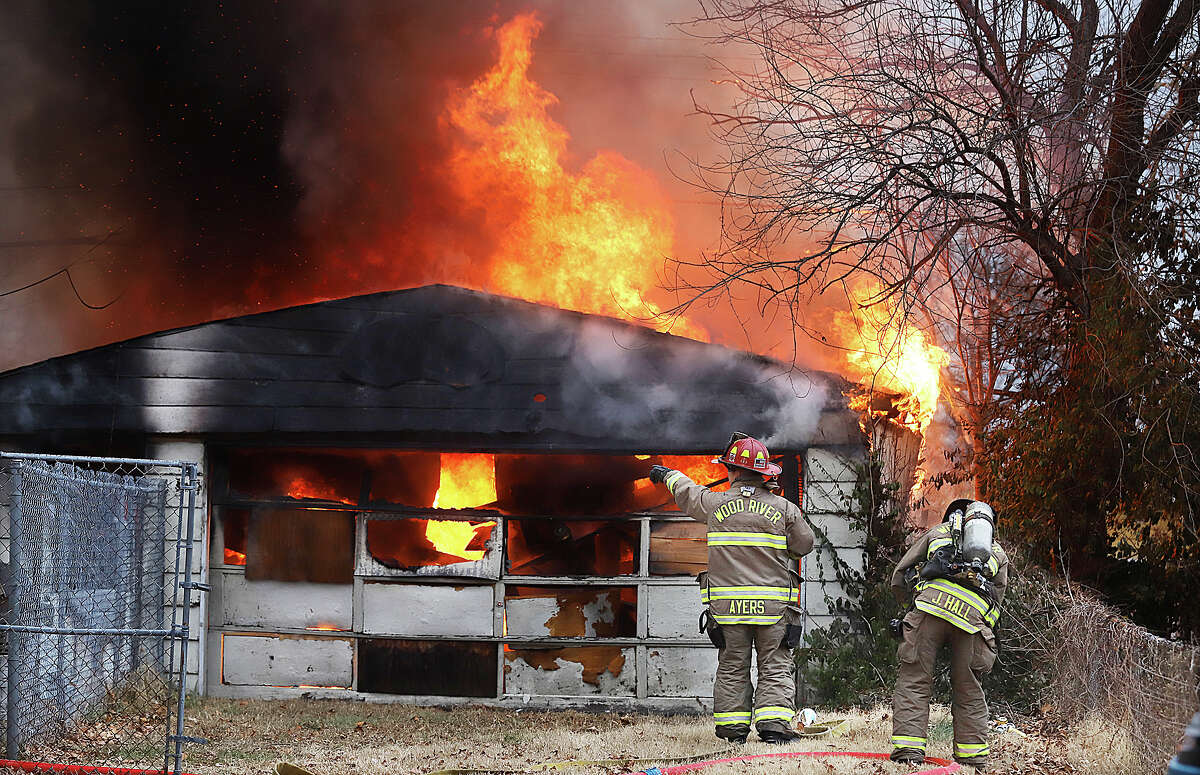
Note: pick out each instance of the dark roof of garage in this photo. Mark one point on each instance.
(437, 363)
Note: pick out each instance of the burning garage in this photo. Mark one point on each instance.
(440, 494)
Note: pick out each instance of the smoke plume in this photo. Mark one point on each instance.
(682, 384)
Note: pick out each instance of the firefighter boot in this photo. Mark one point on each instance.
(980, 764)
(908, 756)
(777, 736)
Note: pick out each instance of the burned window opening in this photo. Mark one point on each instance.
(566, 547)
(574, 485)
(699, 468)
(299, 474)
(407, 544)
(570, 612)
(516, 484)
(466, 481)
(347, 476)
(403, 478)
(442, 668)
(235, 524)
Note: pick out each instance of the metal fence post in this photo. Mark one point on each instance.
(190, 487)
(63, 512)
(12, 727)
(133, 616)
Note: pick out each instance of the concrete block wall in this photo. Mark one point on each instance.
(829, 480)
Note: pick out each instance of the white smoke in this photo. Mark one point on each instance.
(797, 414)
(632, 381)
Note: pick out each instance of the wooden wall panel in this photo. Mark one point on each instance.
(300, 545)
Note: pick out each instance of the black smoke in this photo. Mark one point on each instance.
(195, 160)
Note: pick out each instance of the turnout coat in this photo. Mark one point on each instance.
(753, 535)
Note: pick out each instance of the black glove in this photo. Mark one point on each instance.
(658, 473)
(896, 627)
(709, 626)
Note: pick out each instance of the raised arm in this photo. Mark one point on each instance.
(693, 499)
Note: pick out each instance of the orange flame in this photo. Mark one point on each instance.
(588, 241)
(300, 487)
(234, 558)
(699, 468)
(467, 481)
(893, 357)
(452, 537)
(325, 628)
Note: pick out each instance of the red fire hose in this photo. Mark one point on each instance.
(75, 769)
(944, 767)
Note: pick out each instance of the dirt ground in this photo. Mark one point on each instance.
(354, 738)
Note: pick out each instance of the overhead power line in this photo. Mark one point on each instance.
(95, 242)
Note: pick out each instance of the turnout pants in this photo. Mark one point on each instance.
(736, 703)
(971, 656)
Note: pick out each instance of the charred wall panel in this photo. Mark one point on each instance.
(446, 669)
(573, 671)
(300, 545)
(566, 612)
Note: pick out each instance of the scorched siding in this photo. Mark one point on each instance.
(443, 368)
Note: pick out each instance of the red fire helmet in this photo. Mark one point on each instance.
(751, 454)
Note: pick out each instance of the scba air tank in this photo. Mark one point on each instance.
(977, 532)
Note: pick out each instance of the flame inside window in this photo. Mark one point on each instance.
(303, 487)
(466, 481)
(234, 533)
(459, 539)
(408, 544)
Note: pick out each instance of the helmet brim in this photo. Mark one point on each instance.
(772, 469)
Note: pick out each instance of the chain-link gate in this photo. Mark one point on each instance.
(96, 560)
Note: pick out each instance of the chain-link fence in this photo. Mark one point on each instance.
(1135, 681)
(96, 567)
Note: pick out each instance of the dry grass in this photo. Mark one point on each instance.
(346, 738)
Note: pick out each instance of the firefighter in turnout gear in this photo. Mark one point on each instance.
(750, 589)
(956, 574)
